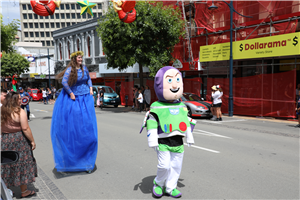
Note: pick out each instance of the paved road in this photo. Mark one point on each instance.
(238, 158)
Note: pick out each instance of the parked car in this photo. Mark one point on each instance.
(58, 92)
(110, 96)
(196, 106)
(36, 94)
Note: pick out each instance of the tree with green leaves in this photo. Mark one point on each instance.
(149, 40)
(8, 33)
(13, 63)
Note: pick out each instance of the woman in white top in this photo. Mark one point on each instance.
(220, 97)
(217, 103)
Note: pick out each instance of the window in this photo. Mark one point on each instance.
(78, 16)
(51, 34)
(62, 15)
(73, 23)
(47, 25)
(73, 16)
(47, 17)
(42, 25)
(78, 6)
(25, 25)
(57, 25)
(68, 24)
(73, 6)
(24, 16)
(36, 25)
(29, 7)
(30, 25)
(63, 25)
(26, 34)
(56, 15)
(100, 14)
(37, 34)
(89, 16)
(42, 34)
(24, 7)
(84, 16)
(31, 34)
(68, 49)
(52, 43)
(48, 43)
(99, 5)
(43, 42)
(52, 17)
(67, 6)
(41, 17)
(36, 16)
(30, 16)
(62, 6)
(68, 15)
(47, 34)
(78, 46)
(52, 25)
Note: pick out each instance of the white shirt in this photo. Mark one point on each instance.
(216, 96)
(44, 93)
(140, 98)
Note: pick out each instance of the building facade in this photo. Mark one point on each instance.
(37, 28)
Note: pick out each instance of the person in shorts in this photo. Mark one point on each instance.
(217, 103)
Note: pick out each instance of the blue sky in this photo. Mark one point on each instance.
(10, 10)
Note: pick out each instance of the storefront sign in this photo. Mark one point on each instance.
(281, 45)
(215, 52)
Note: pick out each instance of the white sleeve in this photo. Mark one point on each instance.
(152, 135)
(189, 136)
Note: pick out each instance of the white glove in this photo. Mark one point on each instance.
(156, 148)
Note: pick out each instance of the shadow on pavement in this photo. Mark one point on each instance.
(147, 184)
(114, 110)
(59, 175)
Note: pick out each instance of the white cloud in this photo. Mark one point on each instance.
(10, 10)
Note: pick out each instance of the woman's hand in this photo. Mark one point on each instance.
(33, 145)
(91, 91)
(72, 96)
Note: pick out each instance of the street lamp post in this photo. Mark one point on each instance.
(230, 99)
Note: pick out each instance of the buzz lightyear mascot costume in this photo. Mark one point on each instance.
(167, 123)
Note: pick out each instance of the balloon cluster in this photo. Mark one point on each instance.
(125, 10)
(44, 7)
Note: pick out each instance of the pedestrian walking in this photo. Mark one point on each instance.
(49, 95)
(219, 111)
(101, 96)
(16, 136)
(217, 103)
(212, 108)
(45, 99)
(53, 92)
(147, 98)
(25, 99)
(74, 132)
(140, 100)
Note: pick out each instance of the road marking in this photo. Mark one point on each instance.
(40, 110)
(220, 122)
(202, 148)
(210, 134)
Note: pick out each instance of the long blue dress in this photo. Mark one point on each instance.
(74, 131)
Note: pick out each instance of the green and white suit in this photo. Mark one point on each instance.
(166, 125)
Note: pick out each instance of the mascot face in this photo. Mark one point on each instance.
(172, 85)
(168, 84)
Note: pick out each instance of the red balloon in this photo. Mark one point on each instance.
(43, 10)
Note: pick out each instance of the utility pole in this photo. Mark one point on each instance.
(49, 67)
